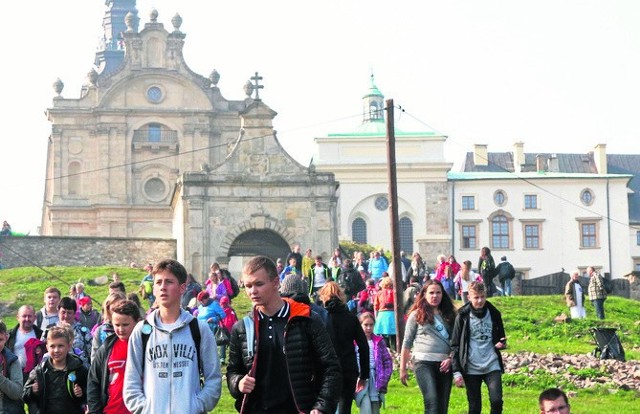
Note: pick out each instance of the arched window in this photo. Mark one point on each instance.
(74, 178)
(155, 132)
(499, 232)
(359, 231)
(406, 234)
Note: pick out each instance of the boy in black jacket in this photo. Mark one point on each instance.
(58, 383)
(110, 361)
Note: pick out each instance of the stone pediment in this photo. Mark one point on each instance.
(257, 153)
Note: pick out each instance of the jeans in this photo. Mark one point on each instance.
(473, 384)
(506, 285)
(599, 305)
(434, 385)
(222, 351)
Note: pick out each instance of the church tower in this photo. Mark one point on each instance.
(110, 52)
(373, 104)
(152, 149)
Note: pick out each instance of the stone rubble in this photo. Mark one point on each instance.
(614, 374)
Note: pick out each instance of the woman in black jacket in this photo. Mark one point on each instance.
(487, 269)
(344, 329)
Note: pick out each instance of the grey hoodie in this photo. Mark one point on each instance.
(170, 382)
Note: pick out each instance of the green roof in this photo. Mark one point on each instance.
(471, 176)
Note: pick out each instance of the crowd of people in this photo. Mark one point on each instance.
(319, 337)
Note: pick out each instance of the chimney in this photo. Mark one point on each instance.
(600, 158)
(518, 156)
(554, 164)
(541, 163)
(480, 155)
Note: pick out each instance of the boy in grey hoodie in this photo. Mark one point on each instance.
(168, 381)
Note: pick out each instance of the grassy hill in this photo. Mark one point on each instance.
(529, 323)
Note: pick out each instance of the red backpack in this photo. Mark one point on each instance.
(34, 349)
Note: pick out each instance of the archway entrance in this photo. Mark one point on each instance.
(260, 242)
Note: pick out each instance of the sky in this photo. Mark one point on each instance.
(559, 75)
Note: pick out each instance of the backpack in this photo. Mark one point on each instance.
(235, 289)
(195, 334)
(34, 349)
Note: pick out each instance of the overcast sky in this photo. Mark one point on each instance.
(559, 75)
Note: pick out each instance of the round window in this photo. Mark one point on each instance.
(155, 189)
(499, 197)
(382, 203)
(154, 94)
(586, 197)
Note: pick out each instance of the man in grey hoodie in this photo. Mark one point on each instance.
(162, 373)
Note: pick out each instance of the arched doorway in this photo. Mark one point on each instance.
(260, 242)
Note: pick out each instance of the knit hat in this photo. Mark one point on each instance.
(202, 296)
(84, 300)
(224, 300)
(291, 285)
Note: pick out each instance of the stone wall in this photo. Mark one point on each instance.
(83, 251)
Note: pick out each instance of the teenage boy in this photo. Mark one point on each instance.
(554, 401)
(106, 375)
(163, 364)
(10, 377)
(476, 340)
(272, 375)
(58, 383)
(48, 315)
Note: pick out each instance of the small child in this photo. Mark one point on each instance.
(371, 397)
(58, 383)
(106, 375)
(226, 323)
(11, 376)
(367, 296)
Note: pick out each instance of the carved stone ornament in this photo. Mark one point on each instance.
(92, 77)
(58, 86)
(129, 20)
(176, 21)
(214, 77)
(154, 16)
(248, 89)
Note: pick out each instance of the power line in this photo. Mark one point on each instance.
(531, 183)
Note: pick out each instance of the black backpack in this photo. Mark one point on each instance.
(235, 289)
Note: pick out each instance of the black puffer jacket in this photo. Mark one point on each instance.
(460, 336)
(313, 368)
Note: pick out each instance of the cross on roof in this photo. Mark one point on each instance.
(257, 86)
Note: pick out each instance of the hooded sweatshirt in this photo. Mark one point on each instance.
(170, 382)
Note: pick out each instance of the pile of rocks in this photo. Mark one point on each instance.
(615, 374)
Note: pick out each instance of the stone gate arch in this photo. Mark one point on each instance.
(258, 236)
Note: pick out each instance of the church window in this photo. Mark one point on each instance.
(155, 189)
(406, 234)
(155, 132)
(154, 94)
(382, 203)
(359, 231)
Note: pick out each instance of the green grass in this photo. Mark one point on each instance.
(528, 322)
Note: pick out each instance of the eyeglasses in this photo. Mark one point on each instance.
(559, 409)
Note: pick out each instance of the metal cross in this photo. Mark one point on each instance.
(256, 86)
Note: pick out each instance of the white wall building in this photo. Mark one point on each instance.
(544, 212)
(358, 159)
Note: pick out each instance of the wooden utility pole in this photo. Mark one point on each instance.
(393, 215)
